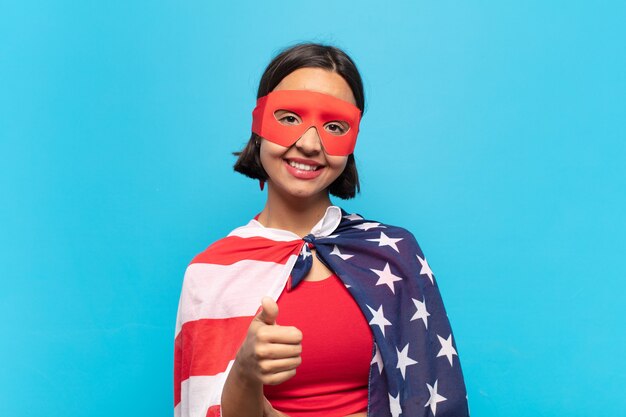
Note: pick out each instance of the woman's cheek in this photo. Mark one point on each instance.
(338, 163)
(271, 153)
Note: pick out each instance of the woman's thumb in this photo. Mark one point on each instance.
(269, 311)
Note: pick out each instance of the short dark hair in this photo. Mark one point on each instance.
(306, 55)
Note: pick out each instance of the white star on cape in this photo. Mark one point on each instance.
(379, 318)
(386, 277)
(426, 269)
(446, 348)
(341, 255)
(404, 360)
(434, 398)
(367, 226)
(421, 313)
(305, 252)
(353, 217)
(385, 240)
(394, 405)
(378, 360)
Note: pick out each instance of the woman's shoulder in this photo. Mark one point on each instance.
(384, 242)
(240, 241)
(360, 222)
(223, 245)
(400, 239)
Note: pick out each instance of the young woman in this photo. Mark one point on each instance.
(309, 311)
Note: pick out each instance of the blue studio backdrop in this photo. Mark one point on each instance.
(494, 131)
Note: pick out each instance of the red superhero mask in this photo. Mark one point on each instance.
(314, 109)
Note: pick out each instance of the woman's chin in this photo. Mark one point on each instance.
(306, 192)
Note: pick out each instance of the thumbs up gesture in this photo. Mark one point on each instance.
(270, 353)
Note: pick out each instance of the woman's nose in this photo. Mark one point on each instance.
(310, 141)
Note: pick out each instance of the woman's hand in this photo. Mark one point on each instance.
(270, 353)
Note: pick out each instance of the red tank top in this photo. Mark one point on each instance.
(337, 348)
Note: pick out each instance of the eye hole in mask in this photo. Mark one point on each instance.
(290, 118)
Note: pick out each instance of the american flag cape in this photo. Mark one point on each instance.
(415, 369)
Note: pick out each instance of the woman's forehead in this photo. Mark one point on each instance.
(318, 80)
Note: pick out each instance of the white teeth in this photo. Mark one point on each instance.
(302, 167)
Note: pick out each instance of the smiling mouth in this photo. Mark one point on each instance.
(303, 167)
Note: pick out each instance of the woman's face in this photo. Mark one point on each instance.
(304, 169)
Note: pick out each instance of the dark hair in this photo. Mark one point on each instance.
(306, 55)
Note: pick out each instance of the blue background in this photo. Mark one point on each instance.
(494, 131)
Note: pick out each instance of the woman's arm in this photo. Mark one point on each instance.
(269, 355)
(242, 395)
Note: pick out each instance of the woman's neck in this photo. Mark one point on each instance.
(297, 215)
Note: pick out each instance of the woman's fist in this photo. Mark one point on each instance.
(270, 353)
